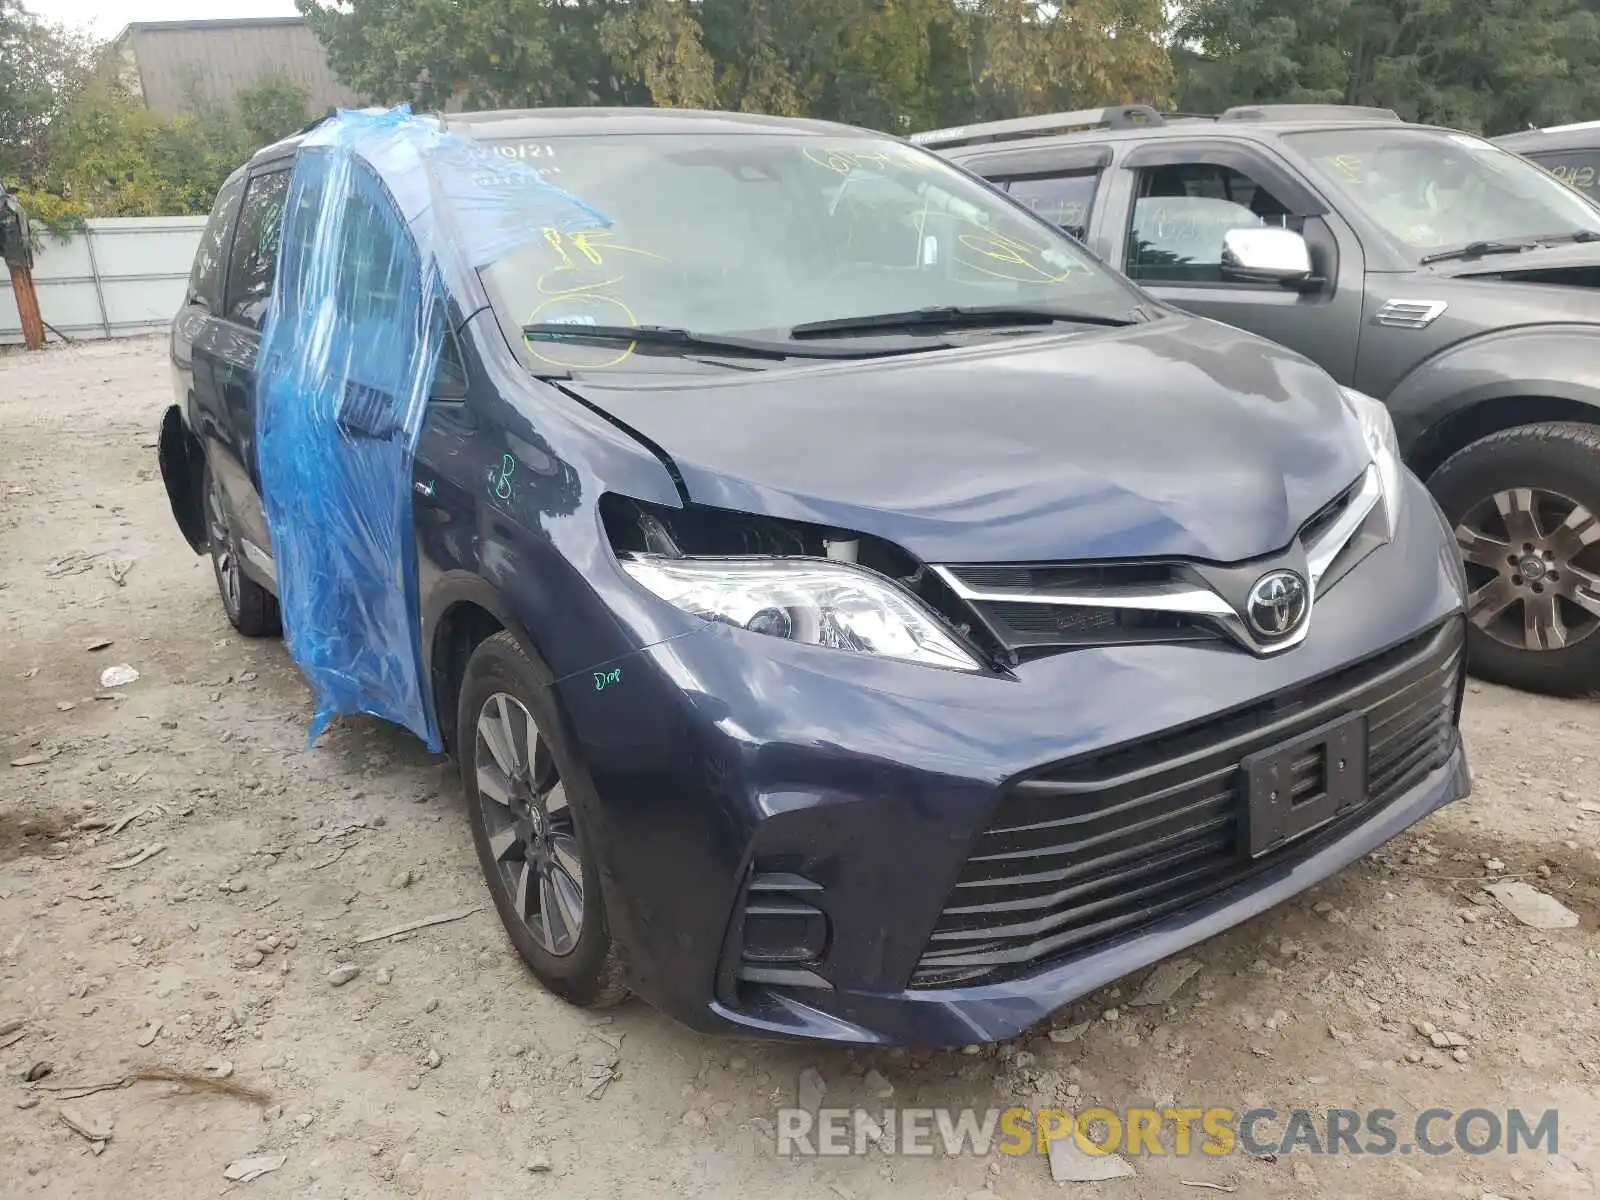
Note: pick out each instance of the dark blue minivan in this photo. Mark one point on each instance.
(856, 611)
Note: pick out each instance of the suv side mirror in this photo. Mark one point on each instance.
(1265, 255)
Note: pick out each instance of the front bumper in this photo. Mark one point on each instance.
(860, 789)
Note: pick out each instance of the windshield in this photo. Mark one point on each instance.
(1433, 190)
(757, 234)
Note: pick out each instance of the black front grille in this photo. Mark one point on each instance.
(1030, 630)
(1055, 618)
(1026, 577)
(1028, 627)
(1081, 852)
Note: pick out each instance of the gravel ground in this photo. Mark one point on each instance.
(442, 1069)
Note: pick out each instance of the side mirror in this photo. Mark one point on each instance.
(1265, 255)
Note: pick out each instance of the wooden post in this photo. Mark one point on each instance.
(27, 307)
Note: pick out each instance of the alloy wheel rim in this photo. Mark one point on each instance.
(533, 838)
(222, 549)
(1533, 568)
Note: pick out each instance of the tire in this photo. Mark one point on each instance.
(532, 848)
(251, 608)
(1525, 505)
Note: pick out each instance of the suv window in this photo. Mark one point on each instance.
(206, 275)
(1181, 214)
(1064, 200)
(1575, 168)
(254, 262)
(1433, 191)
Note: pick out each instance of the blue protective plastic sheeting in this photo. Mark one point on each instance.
(386, 217)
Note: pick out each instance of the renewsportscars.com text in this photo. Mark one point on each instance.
(830, 1132)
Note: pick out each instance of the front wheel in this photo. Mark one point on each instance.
(1524, 504)
(536, 859)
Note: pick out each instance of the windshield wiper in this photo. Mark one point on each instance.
(1577, 235)
(954, 316)
(1478, 249)
(684, 339)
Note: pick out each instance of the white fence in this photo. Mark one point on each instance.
(120, 277)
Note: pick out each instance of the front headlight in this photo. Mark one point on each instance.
(1377, 426)
(811, 601)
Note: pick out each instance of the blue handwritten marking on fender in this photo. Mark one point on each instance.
(605, 679)
(500, 482)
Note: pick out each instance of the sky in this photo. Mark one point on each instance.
(105, 18)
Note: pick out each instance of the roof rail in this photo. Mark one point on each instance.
(327, 116)
(1119, 116)
(1573, 127)
(1307, 112)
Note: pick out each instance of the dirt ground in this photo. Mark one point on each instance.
(442, 1069)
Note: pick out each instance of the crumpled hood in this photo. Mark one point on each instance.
(1181, 438)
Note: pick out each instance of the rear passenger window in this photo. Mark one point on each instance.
(205, 279)
(1575, 168)
(1063, 200)
(254, 263)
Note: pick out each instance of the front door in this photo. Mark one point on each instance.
(1179, 209)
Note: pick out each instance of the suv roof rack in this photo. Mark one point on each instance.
(1572, 127)
(1307, 112)
(1118, 116)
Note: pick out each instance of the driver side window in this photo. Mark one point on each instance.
(1181, 214)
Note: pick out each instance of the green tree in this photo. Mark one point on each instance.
(1484, 65)
(110, 156)
(273, 107)
(42, 68)
(484, 53)
(1040, 55)
(657, 43)
(891, 64)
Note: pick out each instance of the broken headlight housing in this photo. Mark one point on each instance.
(814, 602)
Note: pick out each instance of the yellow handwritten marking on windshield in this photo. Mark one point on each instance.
(591, 244)
(1349, 166)
(1008, 251)
(996, 247)
(579, 253)
(567, 301)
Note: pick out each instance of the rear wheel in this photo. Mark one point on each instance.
(251, 609)
(541, 870)
(1525, 505)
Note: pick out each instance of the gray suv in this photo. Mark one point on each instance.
(1569, 152)
(1450, 278)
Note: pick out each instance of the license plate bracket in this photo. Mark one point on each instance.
(1327, 764)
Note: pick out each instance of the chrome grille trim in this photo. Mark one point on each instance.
(1191, 599)
(1321, 552)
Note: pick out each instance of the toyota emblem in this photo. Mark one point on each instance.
(1277, 605)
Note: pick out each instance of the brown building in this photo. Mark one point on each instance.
(168, 61)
